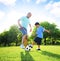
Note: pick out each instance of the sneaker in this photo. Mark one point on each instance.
(22, 46)
(30, 45)
(38, 49)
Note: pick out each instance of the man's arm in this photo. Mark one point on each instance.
(30, 27)
(19, 23)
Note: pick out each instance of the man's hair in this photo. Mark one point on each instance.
(29, 12)
(37, 23)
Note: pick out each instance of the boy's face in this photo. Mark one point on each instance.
(37, 26)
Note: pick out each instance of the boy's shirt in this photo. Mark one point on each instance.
(40, 31)
(25, 21)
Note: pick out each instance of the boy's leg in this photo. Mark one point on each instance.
(39, 43)
(38, 46)
(33, 43)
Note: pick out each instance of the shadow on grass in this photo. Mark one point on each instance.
(50, 54)
(26, 56)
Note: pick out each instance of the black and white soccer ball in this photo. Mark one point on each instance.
(30, 45)
(28, 48)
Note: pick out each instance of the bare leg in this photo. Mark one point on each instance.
(38, 46)
(33, 43)
(25, 42)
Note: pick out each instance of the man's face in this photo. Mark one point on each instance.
(29, 15)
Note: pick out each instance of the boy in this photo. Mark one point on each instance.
(23, 24)
(39, 34)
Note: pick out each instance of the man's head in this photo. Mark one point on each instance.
(37, 24)
(29, 15)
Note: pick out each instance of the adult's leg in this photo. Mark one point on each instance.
(24, 39)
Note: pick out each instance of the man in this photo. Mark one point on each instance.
(39, 34)
(23, 24)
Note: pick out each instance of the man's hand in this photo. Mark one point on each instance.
(30, 29)
(21, 27)
(19, 23)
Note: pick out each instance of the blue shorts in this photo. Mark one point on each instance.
(38, 40)
(23, 30)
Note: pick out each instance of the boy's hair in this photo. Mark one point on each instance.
(37, 23)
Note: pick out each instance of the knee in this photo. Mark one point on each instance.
(25, 36)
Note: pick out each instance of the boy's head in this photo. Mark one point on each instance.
(37, 24)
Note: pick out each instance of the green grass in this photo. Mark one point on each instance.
(47, 53)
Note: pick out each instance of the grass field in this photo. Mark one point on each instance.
(47, 53)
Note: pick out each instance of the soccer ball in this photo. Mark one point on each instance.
(27, 48)
(30, 45)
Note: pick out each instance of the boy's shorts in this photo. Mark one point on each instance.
(23, 30)
(38, 40)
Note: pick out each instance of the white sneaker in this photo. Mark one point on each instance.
(22, 46)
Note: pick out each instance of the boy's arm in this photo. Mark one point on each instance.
(19, 23)
(47, 31)
(30, 27)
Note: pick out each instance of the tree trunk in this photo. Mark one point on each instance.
(53, 42)
(16, 42)
(5, 44)
(8, 44)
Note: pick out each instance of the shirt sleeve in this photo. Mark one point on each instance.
(22, 18)
(43, 29)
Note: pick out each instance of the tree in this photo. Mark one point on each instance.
(11, 36)
(19, 37)
(13, 32)
(33, 35)
(1, 39)
(4, 38)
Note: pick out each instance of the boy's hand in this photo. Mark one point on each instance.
(30, 27)
(48, 31)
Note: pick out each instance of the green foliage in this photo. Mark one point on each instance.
(33, 35)
(8, 37)
(19, 37)
(4, 38)
(13, 32)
